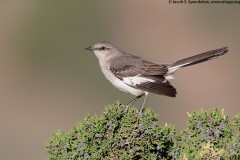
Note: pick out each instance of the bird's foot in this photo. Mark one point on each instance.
(126, 106)
(140, 112)
(122, 105)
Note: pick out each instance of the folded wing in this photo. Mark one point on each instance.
(144, 75)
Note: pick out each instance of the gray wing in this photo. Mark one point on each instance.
(142, 74)
(126, 66)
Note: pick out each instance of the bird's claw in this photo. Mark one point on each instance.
(140, 112)
(125, 106)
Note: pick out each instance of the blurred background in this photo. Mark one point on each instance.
(49, 82)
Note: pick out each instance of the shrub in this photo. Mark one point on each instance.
(124, 134)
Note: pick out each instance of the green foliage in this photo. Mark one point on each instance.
(123, 134)
(209, 135)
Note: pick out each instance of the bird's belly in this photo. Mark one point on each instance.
(121, 85)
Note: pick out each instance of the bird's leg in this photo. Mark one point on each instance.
(131, 102)
(144, 101)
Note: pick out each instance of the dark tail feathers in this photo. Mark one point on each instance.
(201, 57)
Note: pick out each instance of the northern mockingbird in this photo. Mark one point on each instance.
(138, 76)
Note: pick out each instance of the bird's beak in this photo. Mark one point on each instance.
(89, 48)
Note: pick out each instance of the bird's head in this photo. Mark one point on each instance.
(103, 49)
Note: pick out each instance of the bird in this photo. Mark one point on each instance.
(139, 76)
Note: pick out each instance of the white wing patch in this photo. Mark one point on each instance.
(133, 81)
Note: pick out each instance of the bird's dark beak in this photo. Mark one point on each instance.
(89, 48)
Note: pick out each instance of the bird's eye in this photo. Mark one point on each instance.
(102, 48)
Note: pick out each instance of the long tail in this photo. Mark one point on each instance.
(200, 58)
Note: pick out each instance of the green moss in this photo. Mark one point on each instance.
(121, 134)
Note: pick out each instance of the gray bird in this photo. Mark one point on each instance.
(138, 76)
